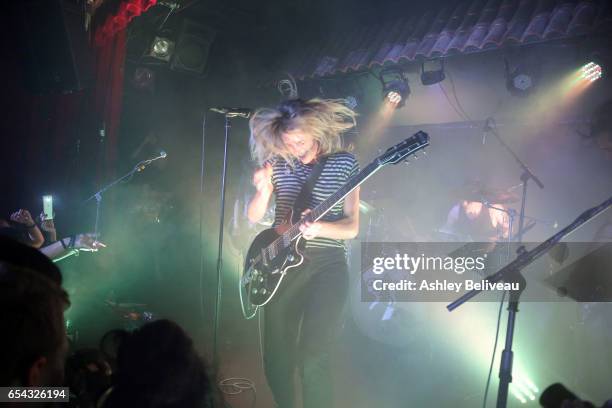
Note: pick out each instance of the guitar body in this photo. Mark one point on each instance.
(262, 274)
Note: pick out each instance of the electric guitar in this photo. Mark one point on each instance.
(275, 251)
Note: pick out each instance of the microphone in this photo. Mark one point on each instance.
(141, 166)
(486, 128)
(233, 112)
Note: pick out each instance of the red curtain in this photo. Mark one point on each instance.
(119, 20)
(110, 44)
(108, 94)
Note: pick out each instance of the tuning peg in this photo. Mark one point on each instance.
(415, 156)
(406, 161)
(424, 152)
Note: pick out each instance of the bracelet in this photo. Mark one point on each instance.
(71, 242)
(62, 242)
(30, 226)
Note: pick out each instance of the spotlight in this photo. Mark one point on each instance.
(162, 48)
(395, 87)
(522, 82)
(591, 71)
(351, 101)
(288, 87)
(396, 92)
(519, 81)
(432, 77)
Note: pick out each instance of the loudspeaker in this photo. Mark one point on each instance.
(54, 46)
(192, 48)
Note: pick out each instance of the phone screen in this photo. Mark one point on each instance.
(48, 206)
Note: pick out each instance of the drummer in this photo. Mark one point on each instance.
(479, 214)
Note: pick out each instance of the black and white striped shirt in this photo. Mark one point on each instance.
(288, 181)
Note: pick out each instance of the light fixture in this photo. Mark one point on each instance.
(395, 86)
(162, 48)
(288, 87)
(351, 101)
(519, 81)
(591, 71)
(432, 77)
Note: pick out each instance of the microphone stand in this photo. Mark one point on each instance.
(228, 113)
(525, 177)
(228, 126)
(512, 273)
(98, 195)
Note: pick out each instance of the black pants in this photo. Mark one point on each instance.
(301, 324)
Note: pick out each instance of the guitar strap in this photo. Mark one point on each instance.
(302, 198)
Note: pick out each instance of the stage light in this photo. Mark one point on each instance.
(432, 77)
(351, 102)
(523, 388)
(395, 87)
(522, 82)
(162, 48)
(530, 384)
(396, 92)
(519, 81)
(591, 71)
(518, 395)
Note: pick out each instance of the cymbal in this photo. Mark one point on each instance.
(480, 192)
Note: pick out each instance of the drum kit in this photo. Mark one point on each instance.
(477, 192)
(386, 320)
(381, 225)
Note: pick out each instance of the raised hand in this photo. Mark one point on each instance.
(262, 179)
(48, 226)
(23, 217)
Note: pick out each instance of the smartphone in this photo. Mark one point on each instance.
(48, 207)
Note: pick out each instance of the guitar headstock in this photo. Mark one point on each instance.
(400, 151)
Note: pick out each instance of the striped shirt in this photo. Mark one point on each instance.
(288, 181)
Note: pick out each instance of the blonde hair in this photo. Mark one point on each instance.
(324, 119)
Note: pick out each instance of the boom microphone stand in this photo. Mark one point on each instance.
(505, 372)
(525, 176)
(98, 195)
(512, 273)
